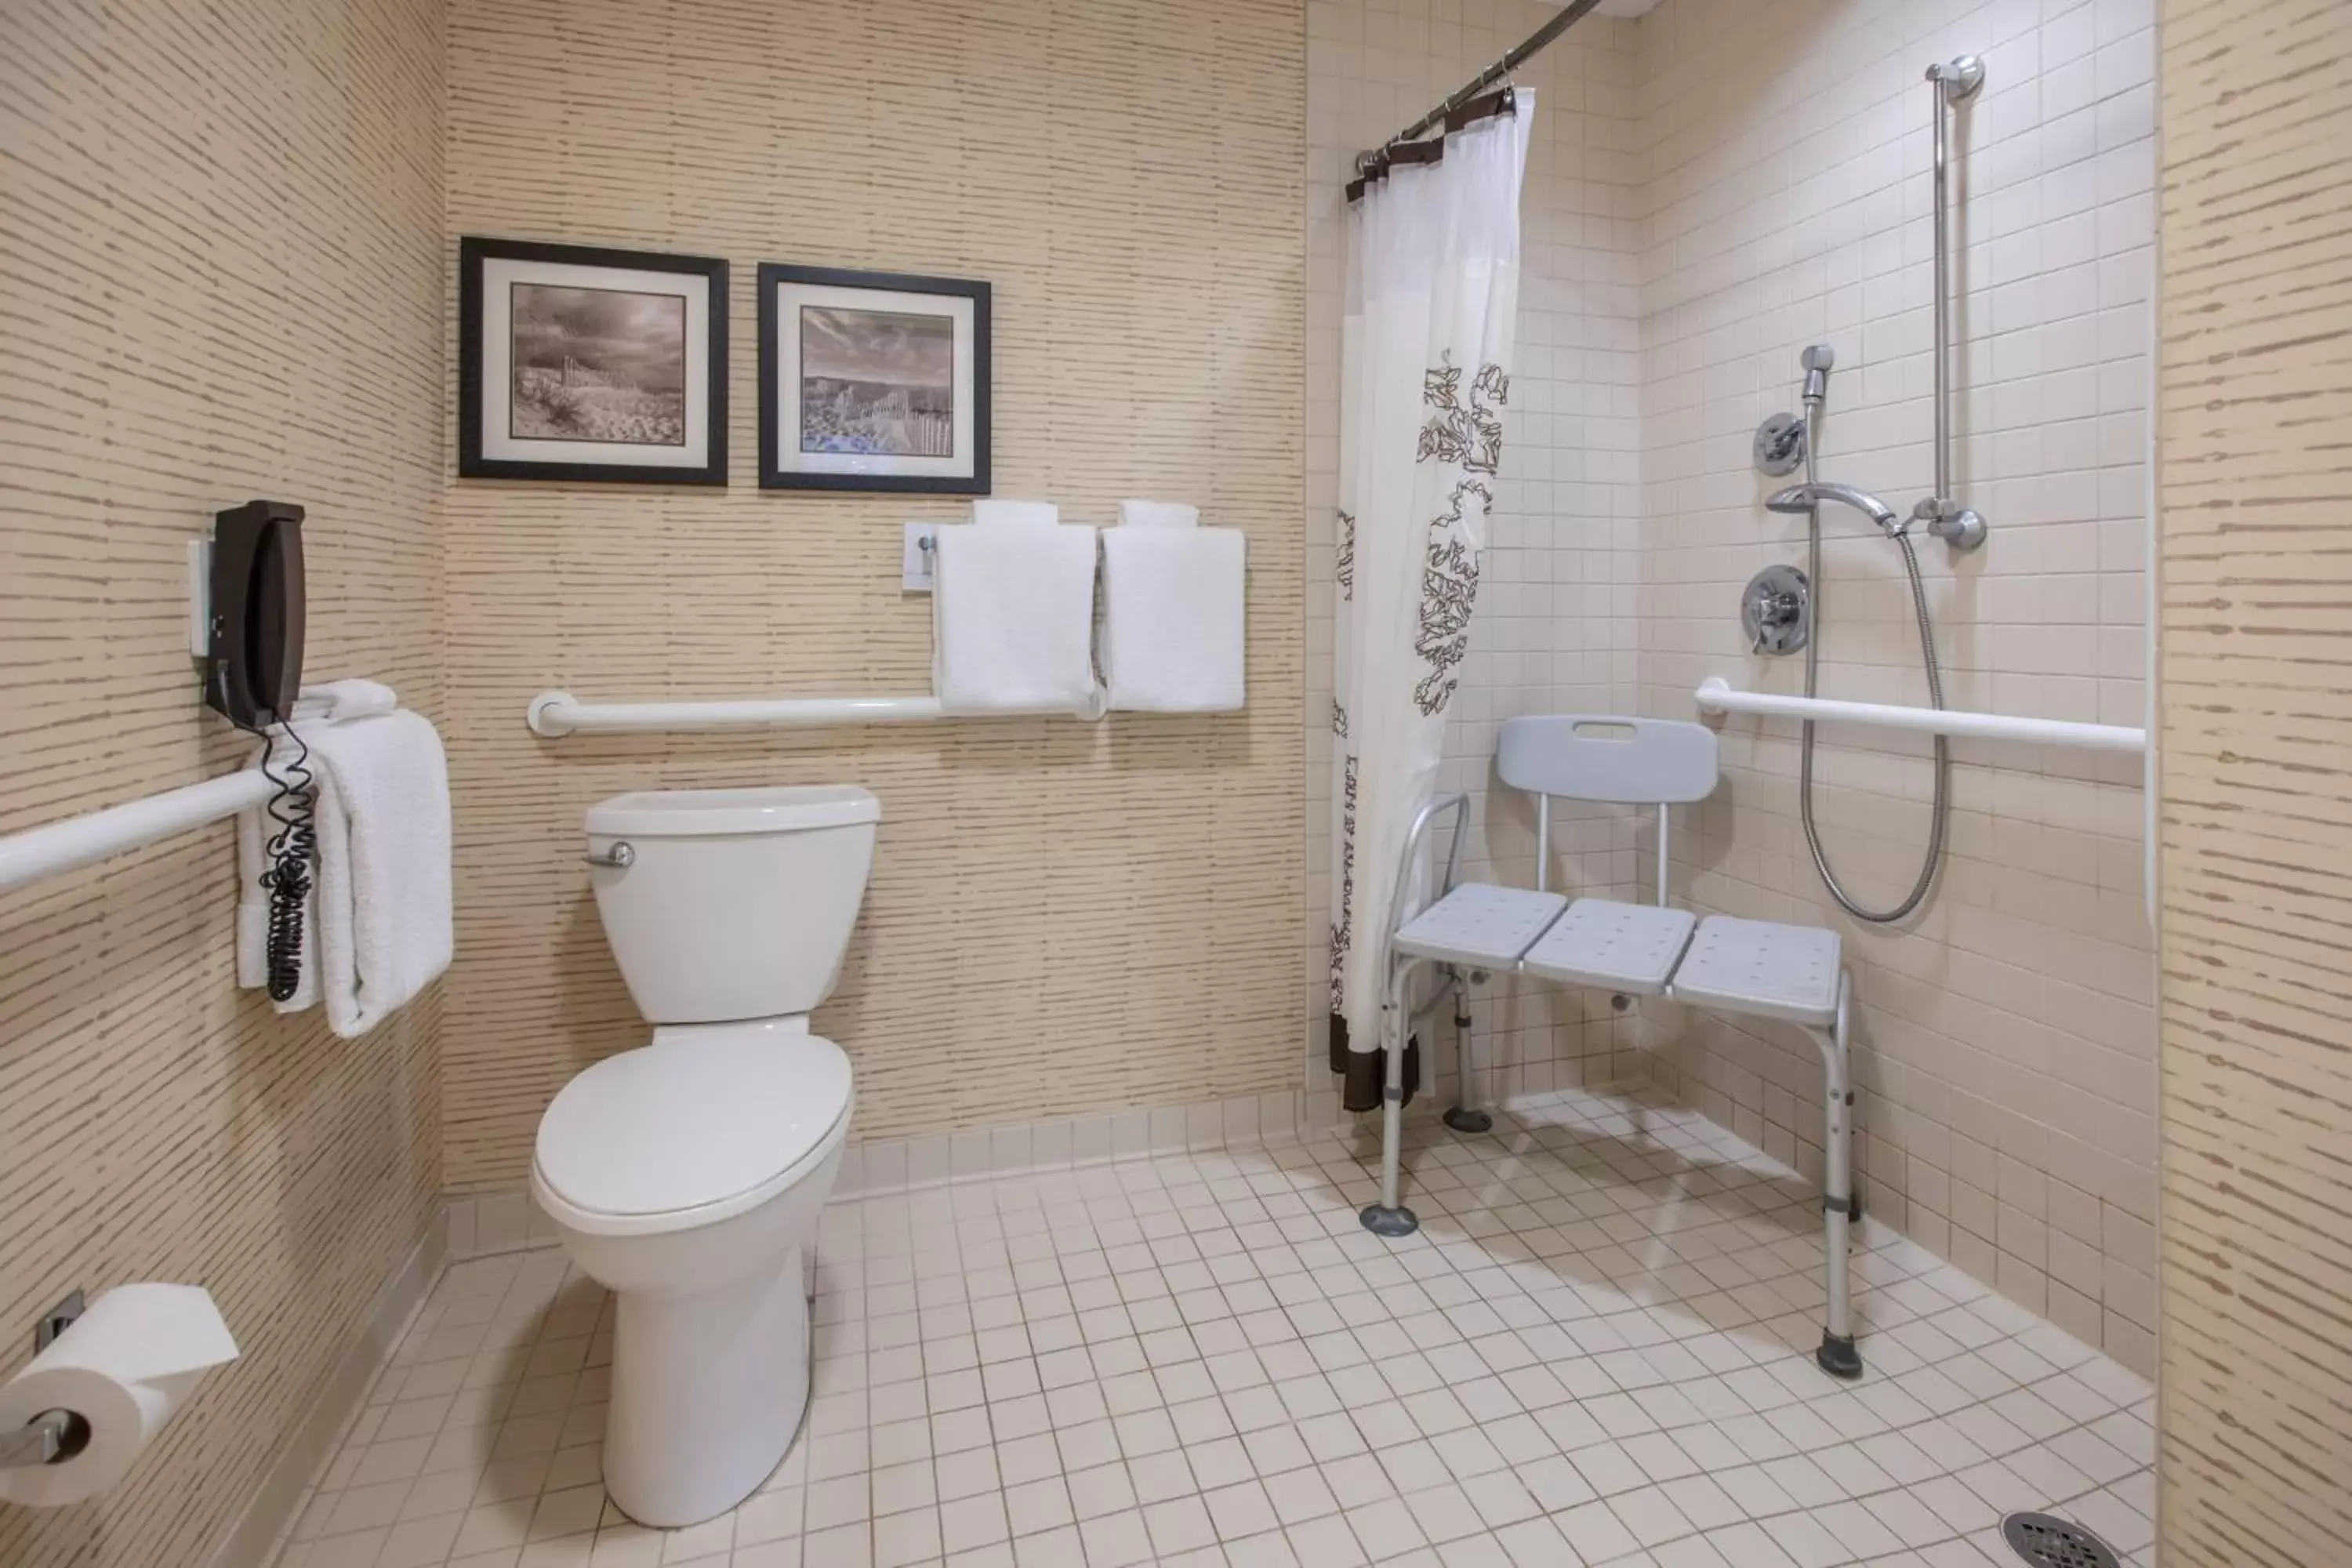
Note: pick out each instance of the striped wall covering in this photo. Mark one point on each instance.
(2256, 477)
(220, 277)
(1062, 918)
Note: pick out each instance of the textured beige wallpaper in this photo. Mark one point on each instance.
(2255, 1420)
(1062, 918)
(220, 277)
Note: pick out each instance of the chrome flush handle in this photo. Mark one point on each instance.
(620, 856)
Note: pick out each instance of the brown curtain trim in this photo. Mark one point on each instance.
(1363, 1072)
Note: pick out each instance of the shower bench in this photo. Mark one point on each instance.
(1759, 969)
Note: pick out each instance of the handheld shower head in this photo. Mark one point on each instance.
(1804, 498)
(1817, 360)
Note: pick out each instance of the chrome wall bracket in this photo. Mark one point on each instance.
(1959, 78)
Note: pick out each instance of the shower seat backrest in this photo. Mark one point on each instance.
(1610, 758)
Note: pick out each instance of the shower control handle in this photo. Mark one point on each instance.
(1776, 609)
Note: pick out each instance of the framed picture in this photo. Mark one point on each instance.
(872, 380)
(577, 364)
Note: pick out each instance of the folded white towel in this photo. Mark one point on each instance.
(378, 926)
(337, 701)
(330, 702)
(1172, 618)
(1158, 514)
(1013, 613)
(989, 512)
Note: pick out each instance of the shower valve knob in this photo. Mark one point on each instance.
(1776, 610)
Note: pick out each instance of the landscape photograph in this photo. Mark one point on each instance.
(598, 364)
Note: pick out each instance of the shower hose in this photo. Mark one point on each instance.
(1935, 856)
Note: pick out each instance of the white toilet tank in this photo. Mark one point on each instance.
(735, 903)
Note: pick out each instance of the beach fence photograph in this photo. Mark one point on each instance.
(598, 364)
(878, 381)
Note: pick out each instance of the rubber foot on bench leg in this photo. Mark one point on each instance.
(1838, 1357)
(1391, 1223)
(1465, 1120)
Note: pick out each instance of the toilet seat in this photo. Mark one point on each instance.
(692, 1130)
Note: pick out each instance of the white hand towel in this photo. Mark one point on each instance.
(1013, 613)
(338, 700)
(1172, 618)
(331, 702)
(1158, 514)
(989, 512)
(254, 830)
(378, 924)
(386, 919)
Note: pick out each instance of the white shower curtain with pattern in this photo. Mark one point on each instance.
(1432, 286)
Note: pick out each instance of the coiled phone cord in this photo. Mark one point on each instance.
(287, 876)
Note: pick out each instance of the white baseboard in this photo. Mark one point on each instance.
(254, 1542)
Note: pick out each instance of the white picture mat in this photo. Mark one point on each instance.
(500, 274)
(790, 299)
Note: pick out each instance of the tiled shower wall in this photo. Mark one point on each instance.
(2006, 1038)
(1711, 188)
(1556, 626)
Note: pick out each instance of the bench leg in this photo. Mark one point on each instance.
(1464, 1116)
(1838, 1355)
(1389, 1217)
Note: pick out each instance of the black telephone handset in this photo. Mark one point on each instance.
(254, 666)
(253, 672)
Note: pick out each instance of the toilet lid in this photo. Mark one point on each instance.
(691, 1122)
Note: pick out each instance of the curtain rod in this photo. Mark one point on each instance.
(1571, 14)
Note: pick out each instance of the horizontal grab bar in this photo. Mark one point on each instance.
(554, 713)
(85, 840)
(1716, 696)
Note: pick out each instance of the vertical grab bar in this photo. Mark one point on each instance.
(1955, 524)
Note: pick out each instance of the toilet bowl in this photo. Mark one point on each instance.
(687, 1175)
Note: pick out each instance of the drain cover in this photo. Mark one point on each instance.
(2047, 1542)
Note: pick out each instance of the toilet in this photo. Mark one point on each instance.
(687, 1175)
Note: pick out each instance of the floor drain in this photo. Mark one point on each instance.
(2047, 1542)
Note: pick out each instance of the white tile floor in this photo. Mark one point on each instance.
(1597, 1351)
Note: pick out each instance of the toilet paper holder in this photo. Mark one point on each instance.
(48, 1439)
(53, 1436)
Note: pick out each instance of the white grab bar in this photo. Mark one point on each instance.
(1716, 696)
(554, 713)
(84, 840)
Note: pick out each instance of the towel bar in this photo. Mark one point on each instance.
(554, 713)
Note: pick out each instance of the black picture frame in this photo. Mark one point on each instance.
(775, 408)
(473, 251)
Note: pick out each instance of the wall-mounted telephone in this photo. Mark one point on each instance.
(253, 660)
(253, 672)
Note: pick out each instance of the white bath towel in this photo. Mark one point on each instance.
(378, 922)
(1172, 618)
(1013, 613)
(989, 512)
(1158, 514)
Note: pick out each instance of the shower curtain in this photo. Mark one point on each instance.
(1433, 283)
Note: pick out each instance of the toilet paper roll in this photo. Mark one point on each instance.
(124, 1367)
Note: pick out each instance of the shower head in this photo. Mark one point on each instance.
(1804, 498)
